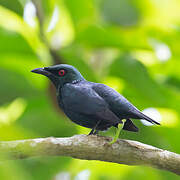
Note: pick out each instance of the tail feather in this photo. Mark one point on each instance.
(129, 126)
(143, 116)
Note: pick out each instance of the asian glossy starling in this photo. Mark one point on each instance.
(89, 104)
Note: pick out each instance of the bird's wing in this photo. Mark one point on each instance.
(84, 100)
(119, 104)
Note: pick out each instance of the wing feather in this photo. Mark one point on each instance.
(82, 99)
(119, 104)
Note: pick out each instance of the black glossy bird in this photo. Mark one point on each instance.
(90, 104)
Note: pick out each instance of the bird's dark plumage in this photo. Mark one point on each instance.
(89, 104)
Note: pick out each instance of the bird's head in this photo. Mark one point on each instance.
(60, 74)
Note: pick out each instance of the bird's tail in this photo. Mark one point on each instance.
(129, 126)
(143, 116)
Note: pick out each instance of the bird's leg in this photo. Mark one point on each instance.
(120, 126)
(91, 132)
(94, 131)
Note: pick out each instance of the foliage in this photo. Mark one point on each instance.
(133, 46)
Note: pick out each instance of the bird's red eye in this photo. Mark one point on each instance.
(62, 72)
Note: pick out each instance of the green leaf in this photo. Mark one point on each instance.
(82, 12)
(14, 85)
(96, 36)
(120, 12)
(13, 5)
(135, 74)
(12, 42)
(45, 168)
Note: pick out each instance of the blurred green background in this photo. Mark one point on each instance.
(130, 45)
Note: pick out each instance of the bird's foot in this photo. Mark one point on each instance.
(93, 132)
(120, 126)
(96, 132)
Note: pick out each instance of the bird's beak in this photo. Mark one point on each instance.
(42, 71)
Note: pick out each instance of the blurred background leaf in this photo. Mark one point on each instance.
(132, 46)
(13, 6)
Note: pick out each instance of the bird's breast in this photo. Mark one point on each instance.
(69, 96)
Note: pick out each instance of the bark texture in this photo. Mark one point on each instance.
(94, 148)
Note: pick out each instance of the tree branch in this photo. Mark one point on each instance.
(94, 148)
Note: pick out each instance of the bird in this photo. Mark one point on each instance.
(89, 104)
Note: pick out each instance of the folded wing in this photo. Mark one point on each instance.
(119, 104)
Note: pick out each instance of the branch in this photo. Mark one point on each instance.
(94, 148)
